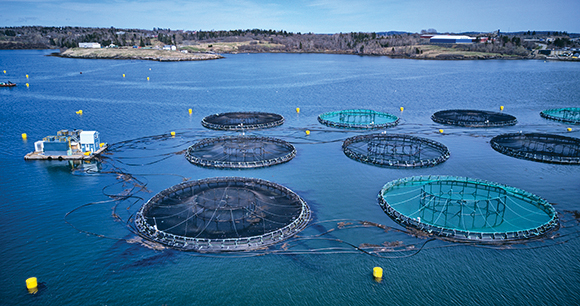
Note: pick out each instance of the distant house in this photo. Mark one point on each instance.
(451, 39)
(89, 45)
(170, 47)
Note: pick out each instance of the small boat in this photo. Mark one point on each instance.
(7, 84)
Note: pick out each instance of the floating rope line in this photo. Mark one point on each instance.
(404, 244)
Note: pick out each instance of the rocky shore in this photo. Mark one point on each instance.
(136, 54)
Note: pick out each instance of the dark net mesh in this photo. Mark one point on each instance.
(240, 152)
(539, 147)
(222, 214)
(473, 118)
(242, 121)
(569, 114)
(465, 209)
(392, 150)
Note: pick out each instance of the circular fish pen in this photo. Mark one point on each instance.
(237, 121)
(393, 150)
(222, 214)
(539, 147)
(465, 209)
(358, 119)
(473, 118)
(568, 114)
(240, 152)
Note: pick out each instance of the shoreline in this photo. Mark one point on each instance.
(174, 56)
(135, 54)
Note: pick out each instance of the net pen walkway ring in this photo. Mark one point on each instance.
(363, 119)
(466, 209)
(239, 121)
(240, 152)
(539, 147)
(395, 150)
(567, 114)
(473, 118)
(222, 214)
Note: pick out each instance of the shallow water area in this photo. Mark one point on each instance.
(68, 226)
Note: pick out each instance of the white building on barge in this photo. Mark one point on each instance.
(68, 145)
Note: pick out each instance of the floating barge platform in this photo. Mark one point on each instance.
(42, 156)
(68, 145)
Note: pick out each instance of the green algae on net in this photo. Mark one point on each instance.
(358, 119)
(467, 209)
(567, 114)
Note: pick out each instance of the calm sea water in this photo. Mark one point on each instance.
(75, 267)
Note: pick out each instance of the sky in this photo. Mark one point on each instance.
(317, 16)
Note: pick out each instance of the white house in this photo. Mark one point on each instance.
(90, 45)
(89, 141)
(451, 39)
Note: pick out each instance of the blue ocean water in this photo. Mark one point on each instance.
(135, 116)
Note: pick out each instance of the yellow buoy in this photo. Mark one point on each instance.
(569, 129)
(123, 75)
(440, 130)
(402, 108)
(501, 108)
(24, 136)
(27, 76)
(190, 111)
(32, 285)
(378, 272)
(79, 112)
(101, 144)
(298, 110)
(307, 132)
(4, 71)
(172, 133)
(147, 78)
(27, 85)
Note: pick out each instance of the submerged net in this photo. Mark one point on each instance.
(473, 118)
(569, 114)
(242, 121)
(539, 147)
(240, 152)
(466, 209)
(358, 119)
(392, 150)
(222, 214)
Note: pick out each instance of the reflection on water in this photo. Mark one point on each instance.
(350, 233)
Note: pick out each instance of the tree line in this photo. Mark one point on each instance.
(386, 43)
